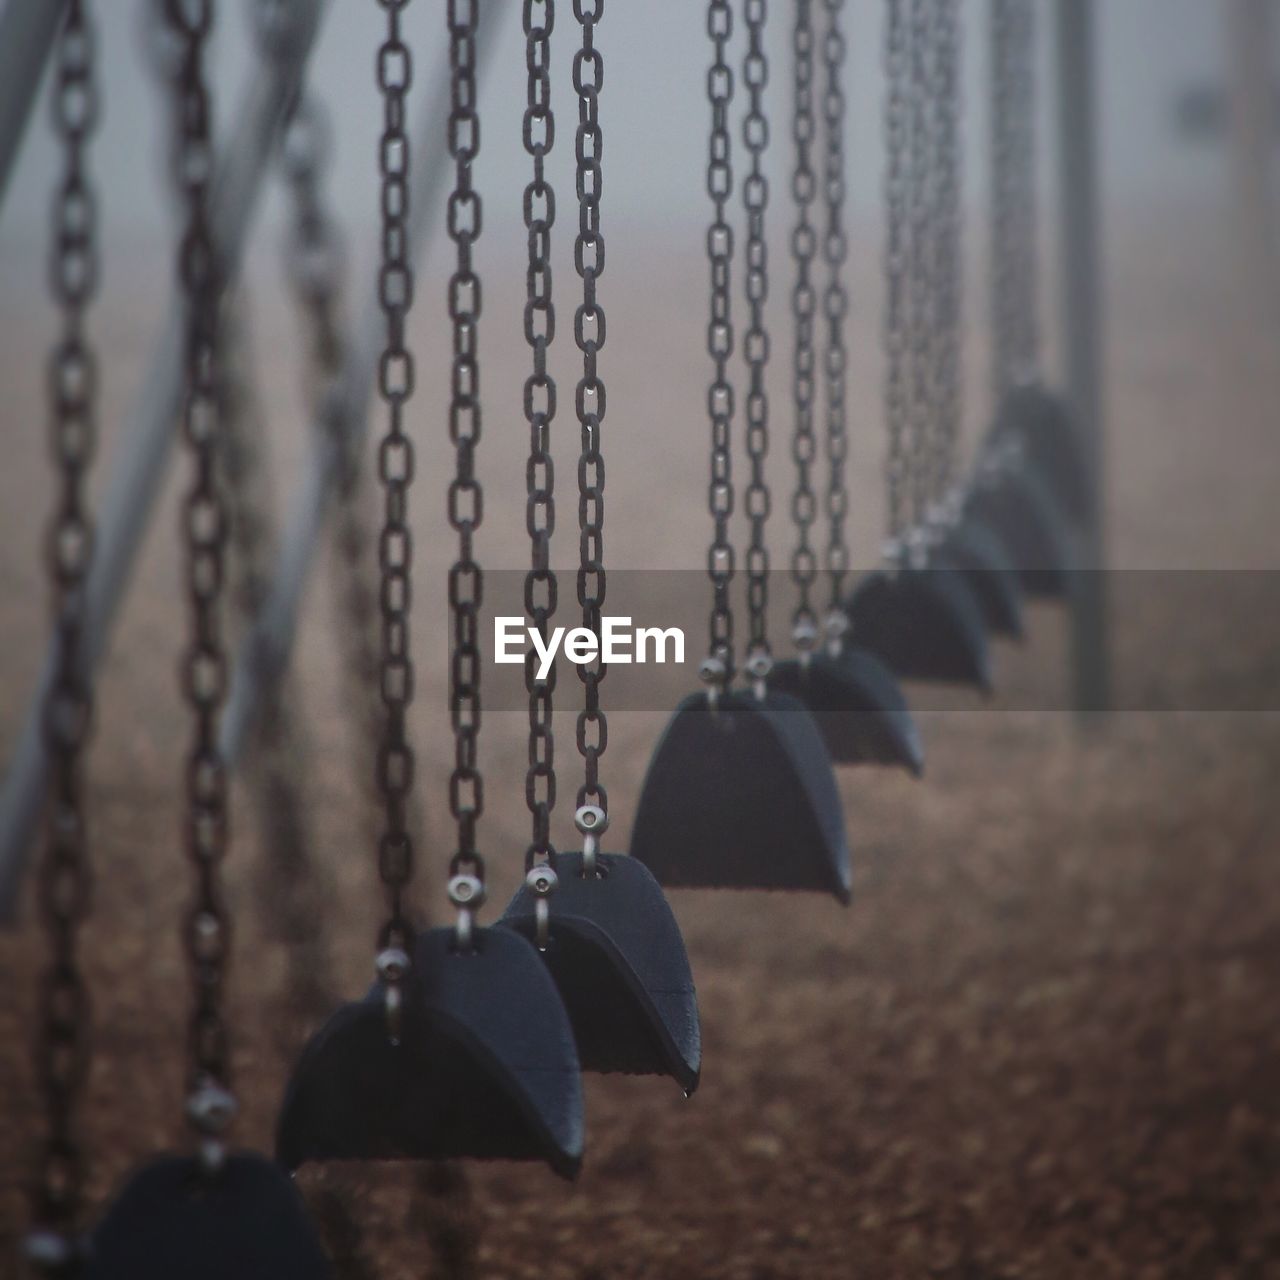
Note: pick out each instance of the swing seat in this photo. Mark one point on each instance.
(172, 1219)
(1043, 424)
(1019, 508)
(924, 623)
(982, 561)
(858, 705)
(742, 797)
(485, 1066)
(616, 954)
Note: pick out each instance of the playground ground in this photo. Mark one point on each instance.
(1043, 1041)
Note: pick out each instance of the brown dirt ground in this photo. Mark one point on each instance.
(1042, 1042)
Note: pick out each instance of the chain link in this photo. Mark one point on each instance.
(395, 760)
(204, 528)
(65, 882)
(589, 398)
(804, 244)
(835, 306)
(540, 585)
(755, 201)
(896, 267)
(465, 505)
(720, 558)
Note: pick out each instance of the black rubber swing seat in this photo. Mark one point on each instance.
(485, 1066)
(859, 706)
(1045, 429)
(1018, 506)
(742, 796)
(619, 961)
(925, 624)
(173, 1219)
(974, 552)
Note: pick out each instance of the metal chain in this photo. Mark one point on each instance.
(65, 882)
(204, 526)
(1023, 122)
(395, 471)
(804, 565)
(755, 201)
(1014, 219)
(465, 504)
(835, 306)
(589, 398)
(896, 270)
(921, 293)
(540, 585)
(948, 257)
(720, 557)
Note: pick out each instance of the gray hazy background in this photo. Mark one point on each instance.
(653, 112)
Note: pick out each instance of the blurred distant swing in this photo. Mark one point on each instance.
(462, 1047)
(920, 614)
(851, 692)
(740, 791)
(599, 920)
(214, 1214)
(955, 540)
(1032, 477)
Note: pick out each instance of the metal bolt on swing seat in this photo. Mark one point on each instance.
(211, 1109)
(805, 636)
(836, 626)
(917, 548)
(592, 821)
(759, 664)
(393, 965)
(467, 895)
(542, 881)
(713, 672)
(49, 1252)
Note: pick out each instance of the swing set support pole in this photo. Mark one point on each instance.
(265, 650)
(1083, 335)
(136, 476)
(27, 31)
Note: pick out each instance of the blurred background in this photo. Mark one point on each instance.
(1043, 1041)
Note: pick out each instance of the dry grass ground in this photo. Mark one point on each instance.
(1042, 1042)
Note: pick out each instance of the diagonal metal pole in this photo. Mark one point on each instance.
(27, 31)
(265, 649)
(140, 464)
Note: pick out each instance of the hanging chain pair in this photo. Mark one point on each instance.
(65, 882)
(948, 258)
(922, 250)
(804, 248)
(1014, 260)
(755, 200)
(540, 589)
(718, 667)
(395, 471)
(465, 500)
(835, 307)
(204, 526)
(921, 245)
(897, 272)
(589, 398)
